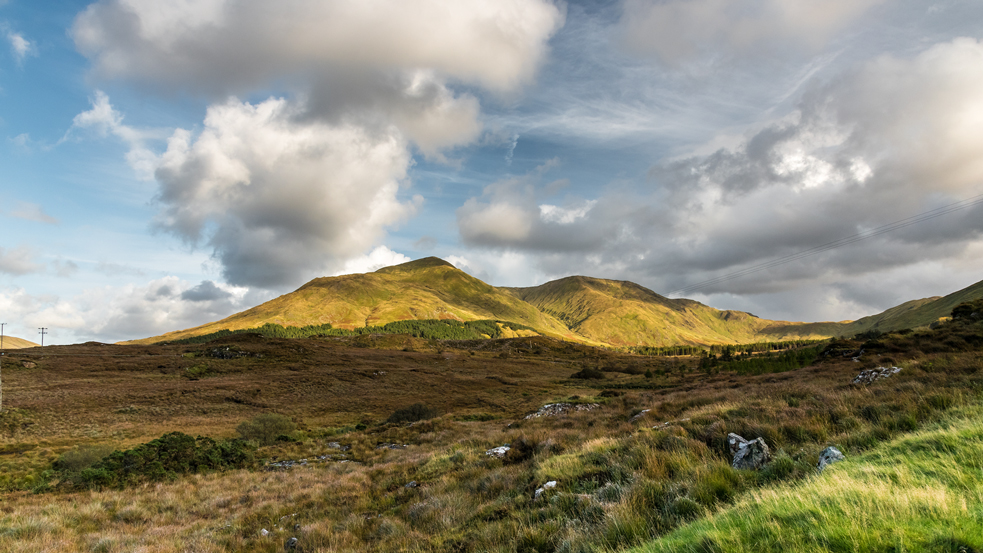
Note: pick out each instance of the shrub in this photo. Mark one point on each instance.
(160, 459)
(413, 413)
(265, 428)
(80, 458)
(588, 373)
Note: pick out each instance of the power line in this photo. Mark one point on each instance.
(42, 331)
(890, 227)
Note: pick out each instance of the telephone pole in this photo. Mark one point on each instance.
(1, 364)
(42, 331)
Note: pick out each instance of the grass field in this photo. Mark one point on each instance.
(649, 462)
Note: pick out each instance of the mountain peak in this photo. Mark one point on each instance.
(425, 263)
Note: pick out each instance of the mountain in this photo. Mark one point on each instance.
(915, 313)
(578, 308)
(427, 288)
(12, 342)
(622, 313)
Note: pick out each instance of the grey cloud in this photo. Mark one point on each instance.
(205, 291)
(277, 199)
(18, 261)
(679, 31)
(890, 139)
(33, 212)
(381, 65)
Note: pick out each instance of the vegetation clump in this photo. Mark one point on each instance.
(165, 458)
(266, 428)
(413, 413)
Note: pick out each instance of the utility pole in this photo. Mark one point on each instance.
(1, 364)
(42, 331)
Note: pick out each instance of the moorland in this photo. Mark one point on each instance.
(385, 442)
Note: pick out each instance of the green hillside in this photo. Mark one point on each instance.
(622, 313)
(578, 308)
(915, 313)
(424, 289)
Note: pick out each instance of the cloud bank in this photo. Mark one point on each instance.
(301, 183)
(888, 139)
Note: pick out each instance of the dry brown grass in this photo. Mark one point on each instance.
(621, 482)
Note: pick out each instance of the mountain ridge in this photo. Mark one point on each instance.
(589, 310)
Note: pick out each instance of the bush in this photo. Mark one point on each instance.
(588, 373)
(413, 413)
(266, 428)
(80, 458)
(161, 459)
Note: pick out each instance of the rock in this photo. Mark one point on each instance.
(547, 486)
(748, 455)
(264, 532)
(829, 456)
(638, 416)
(870, 375)
(736, 442)
(291, 544)
(412, 484)
(337, 445)
(29, 364)
(499, 451)
(556, 409)
(391, 446)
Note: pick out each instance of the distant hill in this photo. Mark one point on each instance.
(12, 342)
(578, 308)
(622, 313)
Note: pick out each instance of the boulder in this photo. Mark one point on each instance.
(547, 486)
(871, 375)
(556, 409)
(499, 451)
(411, 484)
(829, 456)
(291, 544)
(748, 455)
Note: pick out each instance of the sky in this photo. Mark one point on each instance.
(166, 164)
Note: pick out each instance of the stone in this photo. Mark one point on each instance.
(547, 486)
(639, 416)
(556, 409)
(264, 532)
(412, 484)
(748, 455)
(291, 544)
(829, 456)
(736, 442)
(870, 376)
(499, 451)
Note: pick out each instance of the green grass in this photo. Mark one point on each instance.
(919, 492)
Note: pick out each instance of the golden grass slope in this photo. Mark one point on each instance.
(622, 313)
(578, 308)
(12, 342)
(428, 288)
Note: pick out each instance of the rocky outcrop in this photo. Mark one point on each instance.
(829, 456)
(556, 409)
(871, 375)
(748, 455)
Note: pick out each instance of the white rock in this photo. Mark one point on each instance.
(499, 451)
(547, 486)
